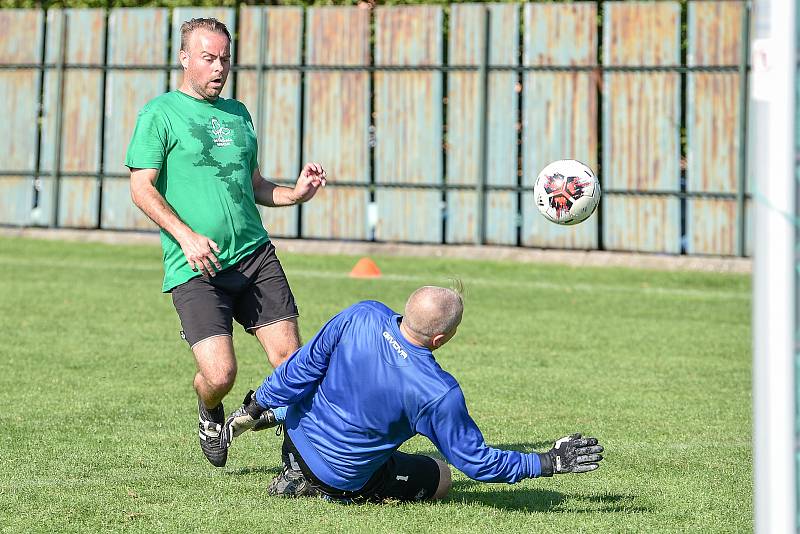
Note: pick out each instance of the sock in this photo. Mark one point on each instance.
(280, 413)
(216, 414)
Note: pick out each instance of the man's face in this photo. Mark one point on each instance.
(207, 63)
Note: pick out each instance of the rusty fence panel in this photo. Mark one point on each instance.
(408, 151)
(641, 127)
(273, 36)
(712, 125)
(183, 14)
(21, 41)
(337, 121)
(463, 147)
(136, 37)
(560, 111)
(371, 108)
(72, 120)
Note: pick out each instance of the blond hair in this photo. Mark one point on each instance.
(210, 24)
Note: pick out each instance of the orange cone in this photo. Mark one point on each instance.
(365, 268)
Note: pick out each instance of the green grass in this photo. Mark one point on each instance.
(99, 418)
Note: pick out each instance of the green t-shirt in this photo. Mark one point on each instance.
(206, 153)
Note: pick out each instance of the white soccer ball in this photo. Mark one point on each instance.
(566, 192)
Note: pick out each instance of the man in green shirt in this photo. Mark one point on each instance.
(194, 172)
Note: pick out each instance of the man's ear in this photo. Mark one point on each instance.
(438, 340)
(184, 57)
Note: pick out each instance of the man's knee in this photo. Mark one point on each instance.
(445, 480)
(279, 355)
(216, 363)
(220, 380)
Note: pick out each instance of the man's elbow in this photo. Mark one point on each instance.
(136, 194)
(140, 185)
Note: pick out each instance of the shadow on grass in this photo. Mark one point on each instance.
(540, 500)
(254, 471)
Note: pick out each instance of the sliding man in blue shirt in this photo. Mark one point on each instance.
(366, 383)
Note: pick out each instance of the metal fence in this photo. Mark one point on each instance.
(433, 122)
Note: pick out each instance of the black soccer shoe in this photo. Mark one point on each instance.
(211, 434)
(267, 420)
(291, 483)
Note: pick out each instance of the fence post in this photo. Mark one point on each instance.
(744, 61)
(59, 116)
(483, 137)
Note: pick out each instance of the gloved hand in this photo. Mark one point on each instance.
(242, 419)
(571, 454)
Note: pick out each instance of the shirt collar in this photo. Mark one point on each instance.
(394, 329)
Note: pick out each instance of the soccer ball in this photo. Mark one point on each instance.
(566, 192)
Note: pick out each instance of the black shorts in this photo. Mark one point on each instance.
(255, 292)
(404, 477)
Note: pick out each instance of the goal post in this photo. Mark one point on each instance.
(773, 178)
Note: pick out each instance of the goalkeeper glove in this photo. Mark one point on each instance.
(571, 454)
(243, 419)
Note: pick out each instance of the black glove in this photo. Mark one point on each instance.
(571, 454)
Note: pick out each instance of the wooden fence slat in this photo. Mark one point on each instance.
(409, 150)
(278, 127)
(640, 115)
(641, 126)
(560, 111)
(81, 116)
(337, 121)
(19, 89)
(463, 122)
(182, 14)
(136, 36)
(712, 117)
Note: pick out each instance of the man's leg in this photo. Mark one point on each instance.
(279, 339)
(216, 372)
(291, 482)
(267, 308)
(445, 481)
(216, 369)
(411, 478)
(206, 311)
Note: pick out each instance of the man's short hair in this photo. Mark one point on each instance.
(210, 24)
(432, 310)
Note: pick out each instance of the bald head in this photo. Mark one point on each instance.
(432, 315)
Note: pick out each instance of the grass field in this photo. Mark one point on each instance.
(99, 429)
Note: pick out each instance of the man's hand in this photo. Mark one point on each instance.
(311, 178)
(571, 454)
(199, 251)
(243, 419)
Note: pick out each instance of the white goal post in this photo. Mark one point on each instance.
(773, 178)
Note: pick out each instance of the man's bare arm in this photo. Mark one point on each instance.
(311, 178)
(197, 248)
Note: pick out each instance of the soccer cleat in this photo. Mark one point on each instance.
(211, 434)
(291, 483)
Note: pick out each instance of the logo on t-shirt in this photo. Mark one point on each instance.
(395, 345)
(222, 135)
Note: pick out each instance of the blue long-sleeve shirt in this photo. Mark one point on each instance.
(358, 389)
